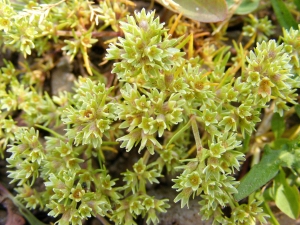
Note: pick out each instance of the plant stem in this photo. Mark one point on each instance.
(50, 131)
(178, 133)
(196, 133)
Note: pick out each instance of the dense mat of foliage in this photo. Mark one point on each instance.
(191, 104)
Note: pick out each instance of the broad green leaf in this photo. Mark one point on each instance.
(259, 174)
(246, 6)
(277, 125)
(207, 11)
(287, 197)
(284, 16)
(287, 156)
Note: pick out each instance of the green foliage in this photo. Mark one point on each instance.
(188, 116)
(284, 16)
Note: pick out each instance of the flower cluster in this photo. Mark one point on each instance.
(147, 115)
(145, 52)
(36, 108)
(269, 74)
(139, 202)
(291, 39)
(149, 59)
(18, 31)
(27, 157)
(91, 116)
(70, 190)
(75, 202)
(36, 26)
(208, 176)
(262, 29)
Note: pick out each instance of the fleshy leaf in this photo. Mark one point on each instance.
(206, 11)
(259, 174)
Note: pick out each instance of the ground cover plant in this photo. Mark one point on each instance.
(202, 98)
